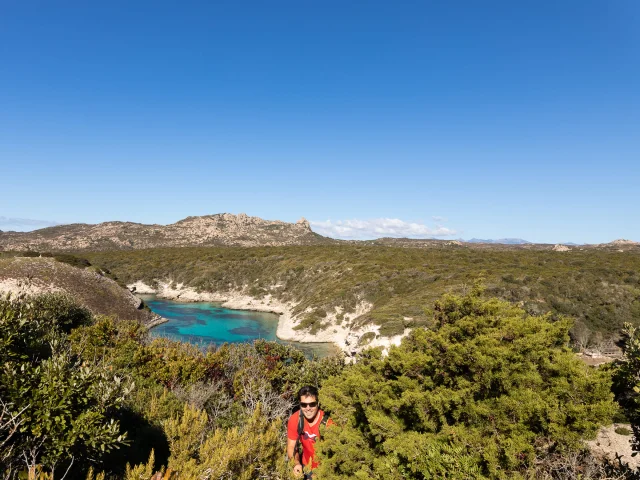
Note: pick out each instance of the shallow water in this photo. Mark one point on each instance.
(205, 323)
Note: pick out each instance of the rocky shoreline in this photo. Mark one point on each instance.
(347, 339)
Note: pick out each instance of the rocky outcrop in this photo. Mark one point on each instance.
(620, 245)
(560, 248)
(622, 241)
(208, 230)
(304, 223)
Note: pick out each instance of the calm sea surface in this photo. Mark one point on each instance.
(204, 323)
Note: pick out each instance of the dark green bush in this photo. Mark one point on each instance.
(66, 406)
(484, 395)
(72, 260)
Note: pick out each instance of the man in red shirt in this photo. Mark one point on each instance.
(312, 418)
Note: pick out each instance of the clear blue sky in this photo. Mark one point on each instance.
(505, 118)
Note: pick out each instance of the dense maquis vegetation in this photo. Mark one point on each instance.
(599, 289)
(55, 406)
(80, 392)
(483, 395)
(626, 380)
(488, 392)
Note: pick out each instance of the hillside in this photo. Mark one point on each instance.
(332, 291)
(101, 295)
(220, 229)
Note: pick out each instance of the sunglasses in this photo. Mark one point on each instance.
(310, 404)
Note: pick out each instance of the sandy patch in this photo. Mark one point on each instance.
(608, 444)
(17, 287)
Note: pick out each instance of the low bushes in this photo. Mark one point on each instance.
(488, 392)
(485, 395)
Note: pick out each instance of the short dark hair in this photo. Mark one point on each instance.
(308, 391)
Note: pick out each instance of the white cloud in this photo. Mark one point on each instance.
(8, 224)
(378, 227)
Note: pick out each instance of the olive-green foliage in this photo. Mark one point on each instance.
(68, 258)
(141, 471)
(481, 396)
(626, 380)
(367, 338)
(72, 260)
(81, 386)
(66, 406)
(253, 451)
(60, 310)
(223, 385)
(600, 289)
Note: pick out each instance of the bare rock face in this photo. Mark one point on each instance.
(209, 230)
(560, 248)
(620, 245)
(303, 223)
(622, 241)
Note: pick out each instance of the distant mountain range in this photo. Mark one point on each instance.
(505, 241)
(514, 241)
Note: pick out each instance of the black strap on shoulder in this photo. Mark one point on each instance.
(325, 418)
(300, 423)
(298, 448)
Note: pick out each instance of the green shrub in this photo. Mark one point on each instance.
(66, 406)
(61, 311)
(254, 451)
(72, 260)
(626, 385)
(482, 396)
(367, 338)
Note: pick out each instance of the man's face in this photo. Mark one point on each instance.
(309, 406)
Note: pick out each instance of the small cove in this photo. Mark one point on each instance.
(206, 323)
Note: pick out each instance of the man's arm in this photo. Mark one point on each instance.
(291, 447)
(291, 453)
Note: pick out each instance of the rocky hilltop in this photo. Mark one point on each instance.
(223, 229)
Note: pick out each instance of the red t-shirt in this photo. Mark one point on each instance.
(308, 438)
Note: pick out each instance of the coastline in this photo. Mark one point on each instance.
(346, 338)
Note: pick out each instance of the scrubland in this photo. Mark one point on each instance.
(486, 385)
(599, 289)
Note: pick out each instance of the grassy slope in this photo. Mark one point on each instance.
(601, 289)
(99, 294)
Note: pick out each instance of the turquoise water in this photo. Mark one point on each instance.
(205, 323)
